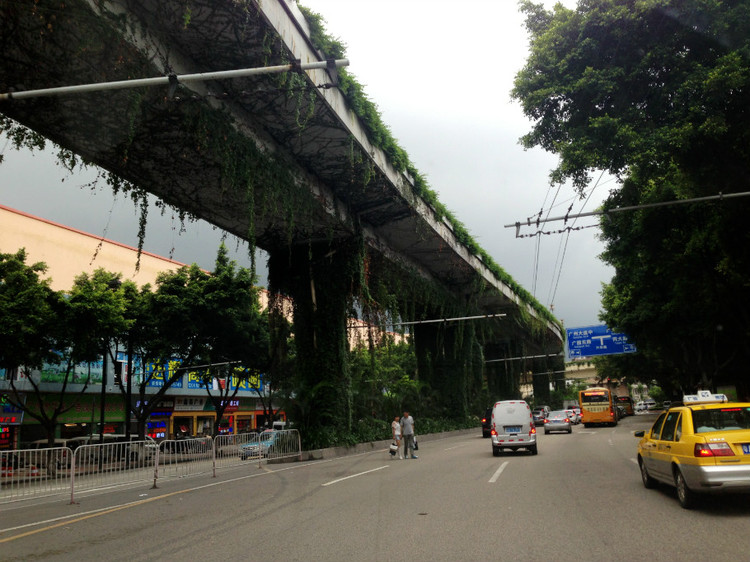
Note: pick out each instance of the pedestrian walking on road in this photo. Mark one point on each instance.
(407, 434)
(396, 430)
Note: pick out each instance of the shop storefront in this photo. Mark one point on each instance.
(157, 425)
(81, 417)
(196, 417)
(175, 418)
(10, 422)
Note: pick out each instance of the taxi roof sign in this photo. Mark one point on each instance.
(704, 397)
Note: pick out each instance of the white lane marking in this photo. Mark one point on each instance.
(354, 475)
(498, 472)
(634, 461)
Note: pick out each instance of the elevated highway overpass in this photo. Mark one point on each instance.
(281, 160)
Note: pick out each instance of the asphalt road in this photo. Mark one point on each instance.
(580, 499)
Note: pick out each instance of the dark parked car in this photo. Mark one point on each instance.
(487, 422)
(539, 415)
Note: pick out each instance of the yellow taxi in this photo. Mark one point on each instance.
(701, 446)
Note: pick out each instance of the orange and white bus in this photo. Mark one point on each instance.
(597, 406)
(627, 403)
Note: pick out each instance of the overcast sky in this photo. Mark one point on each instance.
(441, 73)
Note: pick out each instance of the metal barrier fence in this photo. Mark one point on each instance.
(285, 444)
(112, 464)
(28, 473)
(184, 457)
(264, 446)
(229, 447)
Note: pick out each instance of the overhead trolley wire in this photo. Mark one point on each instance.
(553, 293)
(720, 197)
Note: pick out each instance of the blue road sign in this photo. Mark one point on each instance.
(590, 341)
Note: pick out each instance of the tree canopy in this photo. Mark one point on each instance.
(26, 305)
(657, 93)
(191, 317)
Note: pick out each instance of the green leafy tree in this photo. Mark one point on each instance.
(136, 334)
(142, 345)
(29, 333)
(26, 307)
(96, 306)
(656, 92)
(233, 329)
(208, 323)
(66, 329)
(377, 375)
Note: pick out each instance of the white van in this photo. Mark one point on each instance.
(512, 427)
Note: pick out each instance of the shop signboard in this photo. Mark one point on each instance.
(197, 381)
(248, 380)
(6, 437)
(189, 404)
(82, 409)
(231, 406)
(80, 373)
(157, 428)
(135, 365)
(9, 414)
(157, 375)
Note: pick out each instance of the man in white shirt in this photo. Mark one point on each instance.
(407, 434)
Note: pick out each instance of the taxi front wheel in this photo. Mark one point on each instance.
(686, 496)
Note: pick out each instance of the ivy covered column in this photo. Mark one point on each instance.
(450, 362)
(503, 377)
(320, 279)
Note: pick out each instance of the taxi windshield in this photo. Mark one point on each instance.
(721, 419)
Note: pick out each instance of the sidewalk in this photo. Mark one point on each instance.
(333, 452)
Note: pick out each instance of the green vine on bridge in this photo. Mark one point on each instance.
(380, 135)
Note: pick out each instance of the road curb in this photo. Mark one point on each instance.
(377, 446)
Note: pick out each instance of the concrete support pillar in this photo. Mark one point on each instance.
(503, 377)
(320, 279)
(450, 361)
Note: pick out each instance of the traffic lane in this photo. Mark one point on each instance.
(298, 503)
(165, 521)
(654, 517)
(439, 507)
(171, 522)
(585, 498)
(572, 500)
(27, 513)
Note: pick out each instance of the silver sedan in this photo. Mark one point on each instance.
(558, 421)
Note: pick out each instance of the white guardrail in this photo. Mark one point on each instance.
(32, 473)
